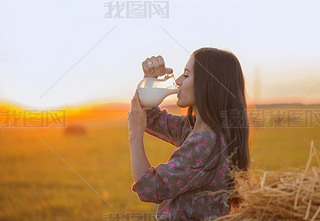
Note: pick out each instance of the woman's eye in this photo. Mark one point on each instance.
(185, 75)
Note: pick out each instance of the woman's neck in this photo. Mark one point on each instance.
(199, 124)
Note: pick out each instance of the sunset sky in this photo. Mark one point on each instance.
(67, 52)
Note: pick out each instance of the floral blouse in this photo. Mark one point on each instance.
(174, 184)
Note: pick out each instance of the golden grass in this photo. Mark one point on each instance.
(35, 184)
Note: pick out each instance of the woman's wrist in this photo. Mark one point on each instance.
(146, 76)
(135, 137)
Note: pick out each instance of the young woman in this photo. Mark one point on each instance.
(212, 84)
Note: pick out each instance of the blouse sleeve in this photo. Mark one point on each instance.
(167, 127)
(165, 181)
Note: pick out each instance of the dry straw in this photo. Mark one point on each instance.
(291, 195)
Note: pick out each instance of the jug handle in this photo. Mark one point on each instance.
(166, 76)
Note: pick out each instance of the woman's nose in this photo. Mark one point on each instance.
(178, 81)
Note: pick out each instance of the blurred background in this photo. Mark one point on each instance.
(69, 70)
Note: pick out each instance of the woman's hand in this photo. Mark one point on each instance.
(137, 117)
(156, 68)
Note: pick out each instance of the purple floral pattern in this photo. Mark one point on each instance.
(174, 184)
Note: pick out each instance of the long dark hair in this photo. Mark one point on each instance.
(219, 89)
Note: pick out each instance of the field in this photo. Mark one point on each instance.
(46, 174)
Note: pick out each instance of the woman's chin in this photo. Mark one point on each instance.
(180, 104)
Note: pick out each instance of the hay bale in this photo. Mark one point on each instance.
(291, 195)
(75, 129)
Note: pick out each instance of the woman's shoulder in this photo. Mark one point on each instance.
(203, 135)
(199, 136)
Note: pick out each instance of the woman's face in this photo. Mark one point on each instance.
(185, 82)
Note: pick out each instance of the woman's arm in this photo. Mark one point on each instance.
(139, 160)
(166, 126)
(137, 126)
(177, 176)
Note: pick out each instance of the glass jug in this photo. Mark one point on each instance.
(152, 91)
